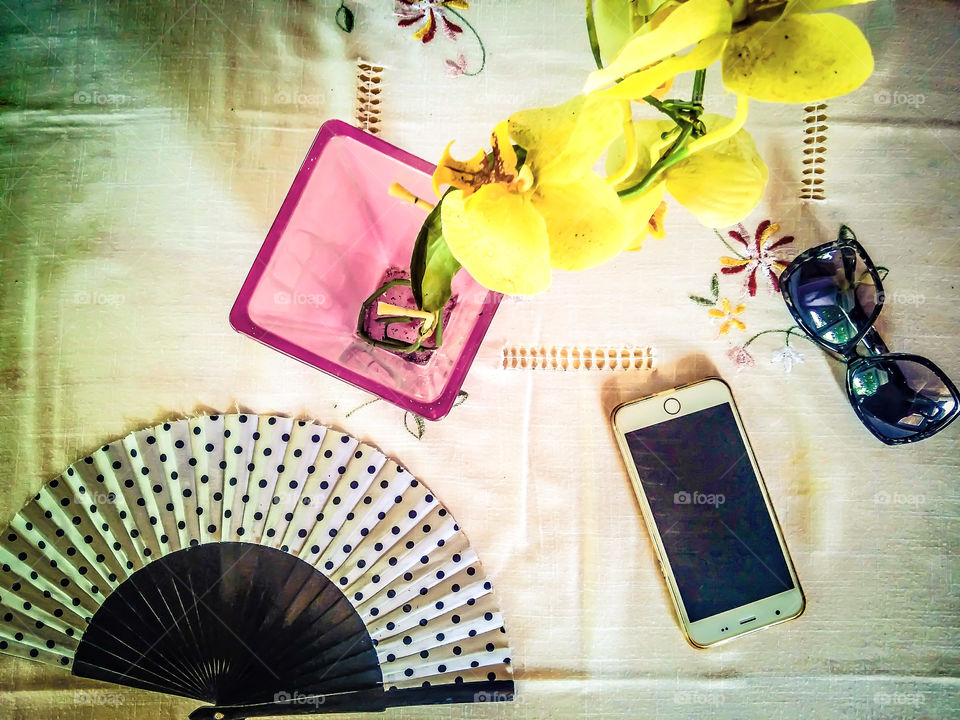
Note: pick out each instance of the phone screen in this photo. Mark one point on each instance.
(708, 507)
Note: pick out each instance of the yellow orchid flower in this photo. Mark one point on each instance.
(719, 183)
(722, 183)
(796, 56)
(509, 226)
(652, 54)
(615, 22)
(799, 56)
(499, 166)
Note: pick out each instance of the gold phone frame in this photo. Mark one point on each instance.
(730, 624)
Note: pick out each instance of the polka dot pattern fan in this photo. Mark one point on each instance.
(261, 564)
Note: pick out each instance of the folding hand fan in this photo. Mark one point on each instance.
(262, 564)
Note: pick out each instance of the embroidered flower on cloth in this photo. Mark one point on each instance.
(741, 358)
(458, 66)
(761, 256)
(788, 356)
(432, 13)
(727, 313)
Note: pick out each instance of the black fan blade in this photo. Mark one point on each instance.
(214, 623)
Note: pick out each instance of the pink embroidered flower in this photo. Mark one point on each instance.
(760, 256)
(458, 66)
(431, 13)
(741, 358)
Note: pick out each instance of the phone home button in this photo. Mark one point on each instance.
(671, 405)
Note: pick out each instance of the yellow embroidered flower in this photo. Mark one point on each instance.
(509, 226)
(796, 56)
(727, 313)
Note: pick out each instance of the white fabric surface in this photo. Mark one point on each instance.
(129, 224)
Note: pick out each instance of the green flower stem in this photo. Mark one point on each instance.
(360, 407)
(699, 81)
(764, 332)
(675, 154)
(386, 343)
(795, 330)
(688, 120)
(438, 330)
(729, 247)
(680, 112)
(592, 34)
(483, 50)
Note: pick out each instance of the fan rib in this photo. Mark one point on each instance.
(83, 525)
(140, 664)
(204, 432)
(144, 459)
(110, 535)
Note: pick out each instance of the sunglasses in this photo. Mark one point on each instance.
(834, 293)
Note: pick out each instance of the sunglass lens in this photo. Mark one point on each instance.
(835, 295)
(901, 398)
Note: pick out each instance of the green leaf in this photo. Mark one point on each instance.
(521, 155)
(432, 265)
(715, 287)
(421, 426)
(344, 18)
(702, 300)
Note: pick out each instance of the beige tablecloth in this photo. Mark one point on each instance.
(144, 150)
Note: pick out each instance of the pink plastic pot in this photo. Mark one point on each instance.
(336, 235)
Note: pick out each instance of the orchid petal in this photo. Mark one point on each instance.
(722, 183)
(500, 238)
(810, 6)
(646, 81)
(639, 210)
(687, 24)
(798, 58)
(563, 142)
(585, 221)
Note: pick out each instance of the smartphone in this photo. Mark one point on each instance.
(720, 547)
